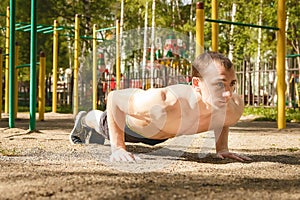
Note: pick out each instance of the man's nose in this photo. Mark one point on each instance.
(227, 95)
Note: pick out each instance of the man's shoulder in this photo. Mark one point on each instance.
(181, 91)
(179, 87)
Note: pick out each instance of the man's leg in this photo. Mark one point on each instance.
(78, 133)
(92, 120)
(86, 128)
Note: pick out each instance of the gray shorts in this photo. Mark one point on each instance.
(130, 136)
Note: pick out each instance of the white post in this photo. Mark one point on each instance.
(152, 44)
(145, 46)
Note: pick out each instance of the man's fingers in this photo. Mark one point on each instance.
(242, 157)
(233, 156)
(220, 156)
(236, 157)
(246, 158)
(122, 155)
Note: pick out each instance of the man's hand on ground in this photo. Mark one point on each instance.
(121, 155)
(227, 154)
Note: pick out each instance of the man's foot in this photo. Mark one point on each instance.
(79, 132)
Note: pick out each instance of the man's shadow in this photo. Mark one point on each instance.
(173, 154)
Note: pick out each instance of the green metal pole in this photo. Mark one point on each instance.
(33, 66)
(11, 121)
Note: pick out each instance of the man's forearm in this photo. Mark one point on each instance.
(222, 140)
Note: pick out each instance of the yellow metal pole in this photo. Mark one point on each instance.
(1, 63)
(199, 28)
(214, 26)
(95, 67)
(55, 60)
(41, 96)
(16, 79)
(118, 59)
(6, 106)
(76, 66)
(281, 51)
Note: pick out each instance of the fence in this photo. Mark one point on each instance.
(257, 84)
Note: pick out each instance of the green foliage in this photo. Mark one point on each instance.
(8, 152)
(270, 114)
(103, 13)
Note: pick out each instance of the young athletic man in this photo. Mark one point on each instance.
(152, 116)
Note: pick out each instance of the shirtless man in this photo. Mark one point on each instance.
(152, 116)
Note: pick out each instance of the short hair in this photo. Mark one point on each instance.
(203, 61)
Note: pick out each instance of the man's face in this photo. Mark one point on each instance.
(217, 85)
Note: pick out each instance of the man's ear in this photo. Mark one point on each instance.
(196, 82)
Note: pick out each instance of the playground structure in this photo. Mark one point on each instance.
(121, 81)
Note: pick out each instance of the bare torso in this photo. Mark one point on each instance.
(175, 110)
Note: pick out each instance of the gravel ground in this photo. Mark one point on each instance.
(44, 165)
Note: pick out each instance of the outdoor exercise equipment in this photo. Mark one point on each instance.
(1, 63)
(281, 15)
(281, 47)
(11, 76)
(199, 28)
(41, 93)
(10, 71)
(7, 33)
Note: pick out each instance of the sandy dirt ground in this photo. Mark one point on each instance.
(44, 165)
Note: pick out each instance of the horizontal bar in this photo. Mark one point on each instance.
(23, 27)
(51, 31)
(26, 65)
(27, 29)
(44, 29)
(86, 37)
(242, 24)
(292, 55)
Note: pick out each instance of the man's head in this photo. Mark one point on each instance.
(214, 77)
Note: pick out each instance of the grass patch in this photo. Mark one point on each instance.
(8, 152)
(293, 149)
(270, 114)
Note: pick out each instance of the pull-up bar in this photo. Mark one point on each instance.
(292, 55)
(281, 48)
(242, 24)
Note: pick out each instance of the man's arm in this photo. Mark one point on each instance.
(222, 147)
(136, 103)
(117, 106)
